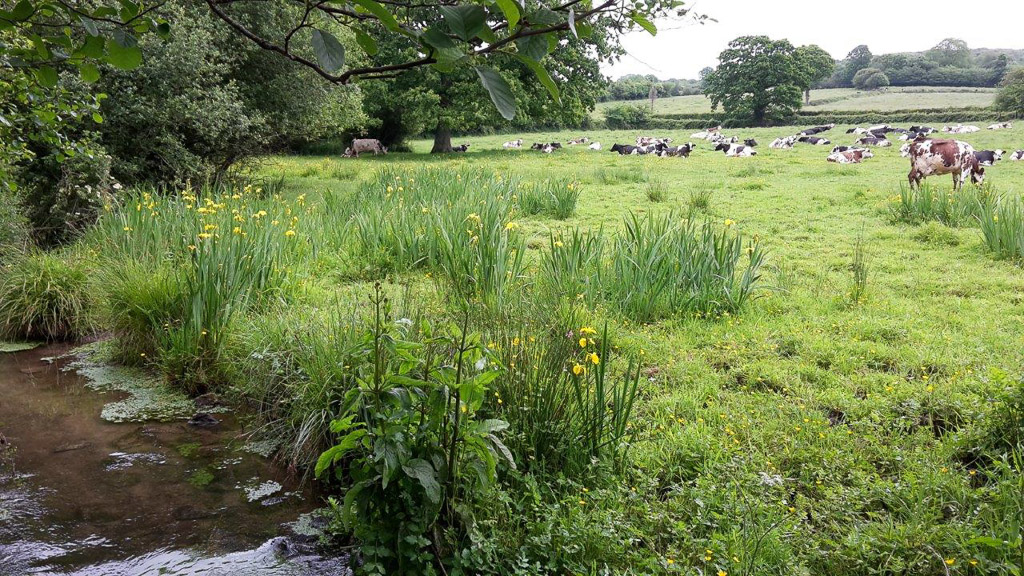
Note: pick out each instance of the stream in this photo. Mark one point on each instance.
(82, 496)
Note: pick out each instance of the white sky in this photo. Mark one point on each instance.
(682, 48)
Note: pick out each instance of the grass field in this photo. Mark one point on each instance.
(846, 99)
(854, 418)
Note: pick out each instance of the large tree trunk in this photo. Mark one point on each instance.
(442, 139)
(807, 96)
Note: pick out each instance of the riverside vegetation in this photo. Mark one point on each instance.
(516, 363)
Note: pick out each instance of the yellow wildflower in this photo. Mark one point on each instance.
(729, 222)
(583, 342)
(578, 369)
(290, 233)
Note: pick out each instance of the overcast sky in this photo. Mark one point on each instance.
(682, 48)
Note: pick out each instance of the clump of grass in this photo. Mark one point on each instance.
(936, 234)
(952, 208)
(620, 176)
(699, 198)
(555, 198)
(656, 190)
(1002, 227)
(572, 263)
(45, 297)
(859, 268)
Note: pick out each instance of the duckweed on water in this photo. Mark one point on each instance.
(188, 449)
(201, 478)
(255, 490)
(10, 347)
(149, 398)
(264, 448)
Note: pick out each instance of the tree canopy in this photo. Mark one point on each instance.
(1010, 97)
(758, 78)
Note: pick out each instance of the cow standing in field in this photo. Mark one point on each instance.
(954, 157)
(365, 145)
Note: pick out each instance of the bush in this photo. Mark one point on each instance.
(61, 198)
(870, 79)
(627, 117)
(1010, 98)
(46, 298)
(953, 208)
(13, 230)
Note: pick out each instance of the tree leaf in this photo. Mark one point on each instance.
(644, 23)
(533, 47)
(366, 42)
(22, 11)
(123, 51)
(92, 48)
(329, 52)
(97, 117)
(572, 22)
(386, 18)
(47, 76)
(511, 11)
(422, 470)
(499, 90)
(545, 16)
(90, 25)
(89, 72)
(465, 21)
(542, 75)
(437, 39)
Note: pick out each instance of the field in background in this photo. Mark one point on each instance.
(843, 99)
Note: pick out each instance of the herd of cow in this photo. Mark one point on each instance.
(927, 155)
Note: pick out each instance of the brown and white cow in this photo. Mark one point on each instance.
(851, 156)
(365, 145)
(954, 157)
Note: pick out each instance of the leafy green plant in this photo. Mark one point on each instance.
(656, 190)
(45, 297)
(572, 262)
(859, 268)
(1002, 228)
(411, 446)
(952, 208)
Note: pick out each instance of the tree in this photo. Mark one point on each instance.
(998, 67)
(425, 100)
(1010, 98)
(816, 65)
(870, 79)
(857, 59)
(449, 35)
(758, 79)
(205, 99)
(39, 40)
(950, 52)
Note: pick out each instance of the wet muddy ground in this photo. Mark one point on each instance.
(80, 495)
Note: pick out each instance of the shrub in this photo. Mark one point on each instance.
(412, 449)
(870, 79)
(1010, 98)
(571, 264)
(1002, 227)
(62, 198)
(627, 117)
(699, 198)
(656, 190)
(555, 198)
(45, 297)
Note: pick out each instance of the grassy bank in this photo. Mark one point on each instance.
(803, 372)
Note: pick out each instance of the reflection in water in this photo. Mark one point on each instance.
(87, 497)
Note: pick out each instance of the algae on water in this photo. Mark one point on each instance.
(6, 347)
(149, 397)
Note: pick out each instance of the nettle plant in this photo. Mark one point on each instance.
(412, 450)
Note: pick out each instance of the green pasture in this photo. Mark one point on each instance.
(844, 99)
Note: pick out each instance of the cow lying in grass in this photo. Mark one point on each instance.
(736, 150)
(850, 156)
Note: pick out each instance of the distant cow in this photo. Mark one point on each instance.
(816, 130)
(873, 141)
(460, 148)
(513, 144)
(1017, 156)
(922, 129)
(988, 157)
(1001, 126)
(814, 140)
(855, 156)
(575, 141)
(954, 157)
(624, 149)
(750, 142)
(783, 143)
(735, 150)
(595, 146)
(847, 149)
(366, 145)
(682, 151)
(960, 129)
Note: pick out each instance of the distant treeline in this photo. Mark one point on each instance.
(638, 87)
(949, 63)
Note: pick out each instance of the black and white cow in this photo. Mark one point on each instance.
(814, 140)
(624, 149)
(750, 142)
(460, 148)
(1017, 156)
(783, 143)
(988, 157)
(736, 150)
(873, 141)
